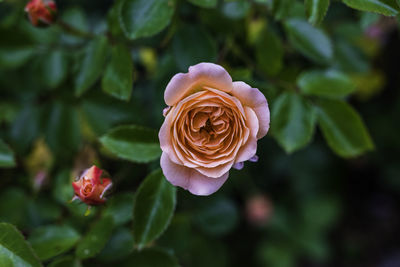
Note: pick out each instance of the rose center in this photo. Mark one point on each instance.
(87, 189)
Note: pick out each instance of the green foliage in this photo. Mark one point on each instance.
(204, 3)
(310, 41)
(153, 208)
(120, 208)
(54, 68)
(91, 65)
(50, 241)
(95, 239)
(151, 257)
(269, 52)
(316, 10)
(217, 216)
(118, 77)
(343, 128)
(6, 156)
(144, 18)
(119, 246)
(192, 45)
(14, 250)
(134, 143)
(330, 83)
(294, 121)
(65, 262)
(372, 6)
(90, 89)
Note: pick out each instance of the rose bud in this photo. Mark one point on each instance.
(41, 13)
(90, 188)
(211, 125)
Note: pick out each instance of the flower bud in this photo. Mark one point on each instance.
(41, 12)
(90, 188)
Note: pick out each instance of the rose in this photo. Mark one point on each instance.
(211, 125)
(90, 188)
(41, 12)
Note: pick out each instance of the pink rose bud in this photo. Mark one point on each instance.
(212, 124)
(41, 13)
(258, 210)
(90, 188)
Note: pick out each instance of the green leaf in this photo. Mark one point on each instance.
(192, 45)
(13, 206)
(330, 83)
(134, 143)
(343, 128)
(153, 208)
(14, 250)
(54, 68)
(119, 246)
(294, 121)
(218, 216)
(95, 240)
(309, 41)
(62, 189)
(236, 9)
(204, 3)
(92, 65)
(372, 6)
(118, 77)
(151, 257)
(316, 10)
(269, 53)
(25, 127)
(66, 261)
(120, 208)
(14, 57)
(144, 18)
(282, 8)
(63, 129)
(6, 156)
(76, 18)
(53, 240)
(113, 19)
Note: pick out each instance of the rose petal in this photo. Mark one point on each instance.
(190, 179)
(203, 74)
(249, 149)
(238, 166)
(253, 98)
(164, 135)
(217, 171)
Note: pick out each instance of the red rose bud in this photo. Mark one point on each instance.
(41, 12)
(90, 188)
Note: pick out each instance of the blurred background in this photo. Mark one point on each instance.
(310, 207)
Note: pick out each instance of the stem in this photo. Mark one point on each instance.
(74, 31)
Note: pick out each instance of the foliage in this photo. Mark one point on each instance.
(89, 90)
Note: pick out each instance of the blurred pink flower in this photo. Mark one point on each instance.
(258, 210)
(211, 125)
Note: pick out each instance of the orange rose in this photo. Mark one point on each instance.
(211, 125)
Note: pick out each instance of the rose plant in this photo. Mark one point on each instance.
(91, 89)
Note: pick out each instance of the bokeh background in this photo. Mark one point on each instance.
(310, 207)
